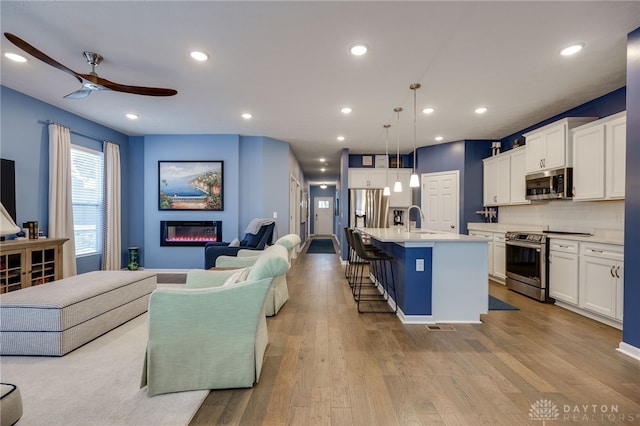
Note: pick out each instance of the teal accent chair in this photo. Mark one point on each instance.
(213, 333)
(279, 292)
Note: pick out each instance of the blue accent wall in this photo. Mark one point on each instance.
(631, 325)
(465, 156)
(26, 141)
(224, 148)
(606, 105)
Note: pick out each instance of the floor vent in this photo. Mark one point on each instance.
(440, 328)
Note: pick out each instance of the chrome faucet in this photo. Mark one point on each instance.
(409, 215)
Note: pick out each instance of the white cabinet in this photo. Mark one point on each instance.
(518, 187)
(497, 253)
(489, 236)
(497, 180)
(404, 198)
(499, 256)
(599, 156)
(549, 147)
(563, 270)
(368, 178)
(601, 279)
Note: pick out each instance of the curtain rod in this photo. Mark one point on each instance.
(47, 122)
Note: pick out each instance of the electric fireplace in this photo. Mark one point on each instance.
(189, 232)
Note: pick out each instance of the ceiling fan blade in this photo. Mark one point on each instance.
(137, 90)
(40, 55)
(79, 94)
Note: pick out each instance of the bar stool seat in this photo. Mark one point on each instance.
(382, 270)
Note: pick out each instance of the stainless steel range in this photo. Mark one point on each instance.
(526, 264)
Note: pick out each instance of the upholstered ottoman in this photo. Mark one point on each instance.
(10, 404)
(55, 318)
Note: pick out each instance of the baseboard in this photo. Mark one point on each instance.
(629, 350)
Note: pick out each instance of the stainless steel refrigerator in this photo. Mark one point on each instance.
(368, 208)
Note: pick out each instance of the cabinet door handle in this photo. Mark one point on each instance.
(618, 271)
(596, 251)
(562, 246)
(611, 271)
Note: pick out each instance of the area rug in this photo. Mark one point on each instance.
(321, 245)
(97, 384)
(498, 305)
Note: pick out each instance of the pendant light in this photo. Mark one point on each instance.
(414, 182)
(387, 191)
(397, 187)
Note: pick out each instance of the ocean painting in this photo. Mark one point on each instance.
(190, 185)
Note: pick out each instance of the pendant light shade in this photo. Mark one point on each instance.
(386, 192)
(397, 187)
(414, 182)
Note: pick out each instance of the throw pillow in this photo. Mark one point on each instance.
(235, 243)
(237, 277)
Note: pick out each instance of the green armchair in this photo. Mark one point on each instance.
(278, 292)
(213, 333)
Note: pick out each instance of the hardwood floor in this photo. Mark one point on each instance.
(328, 365)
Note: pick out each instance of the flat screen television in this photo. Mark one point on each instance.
(8, 186)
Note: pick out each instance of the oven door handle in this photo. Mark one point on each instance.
(522, 244)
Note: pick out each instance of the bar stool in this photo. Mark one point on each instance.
(382, 270)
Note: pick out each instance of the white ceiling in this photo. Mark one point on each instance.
(288, 64)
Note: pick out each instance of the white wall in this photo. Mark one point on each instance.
(566, 215)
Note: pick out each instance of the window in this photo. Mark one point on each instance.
(86, 194)
(323, 204)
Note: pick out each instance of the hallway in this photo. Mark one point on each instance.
(328, 365)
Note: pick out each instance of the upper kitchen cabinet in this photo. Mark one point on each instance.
(496, 180)
(549, 147)
(504, 178)
(599, 156)
(368, 177)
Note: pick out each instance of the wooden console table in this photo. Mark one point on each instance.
(24, 263)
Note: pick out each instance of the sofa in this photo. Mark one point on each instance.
(250, 241)
(212, 334)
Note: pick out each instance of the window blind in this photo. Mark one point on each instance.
(87, 199)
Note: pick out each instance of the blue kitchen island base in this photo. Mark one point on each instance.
(440, 277)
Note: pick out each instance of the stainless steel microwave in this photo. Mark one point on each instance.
(550, 184)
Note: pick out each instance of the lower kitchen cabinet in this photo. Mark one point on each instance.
(563, 271)
(601, 279)
(497, 253)
(499, 256)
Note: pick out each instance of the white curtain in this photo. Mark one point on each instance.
(60, 201)
(111, 245)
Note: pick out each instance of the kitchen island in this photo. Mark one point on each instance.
(440, 277)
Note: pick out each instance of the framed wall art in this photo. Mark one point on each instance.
(190, 185)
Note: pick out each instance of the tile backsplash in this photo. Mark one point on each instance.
(566, 215)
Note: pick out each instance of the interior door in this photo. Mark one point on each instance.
(323, 215)
(440, 201)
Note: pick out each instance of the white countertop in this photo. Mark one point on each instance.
(504, 227)
(601, 236)
(417, 235)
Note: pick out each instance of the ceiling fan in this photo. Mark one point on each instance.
(91, 81)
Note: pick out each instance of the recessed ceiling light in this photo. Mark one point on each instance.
(572, 50)
(323, 169)
(428, 110)
(481, 110)
(340, 138)
(439, 138)
(15, 57)
(346, 110)
(199, 56)
(321, 159)
(132, 116)
(247, 116)
(358, 49)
